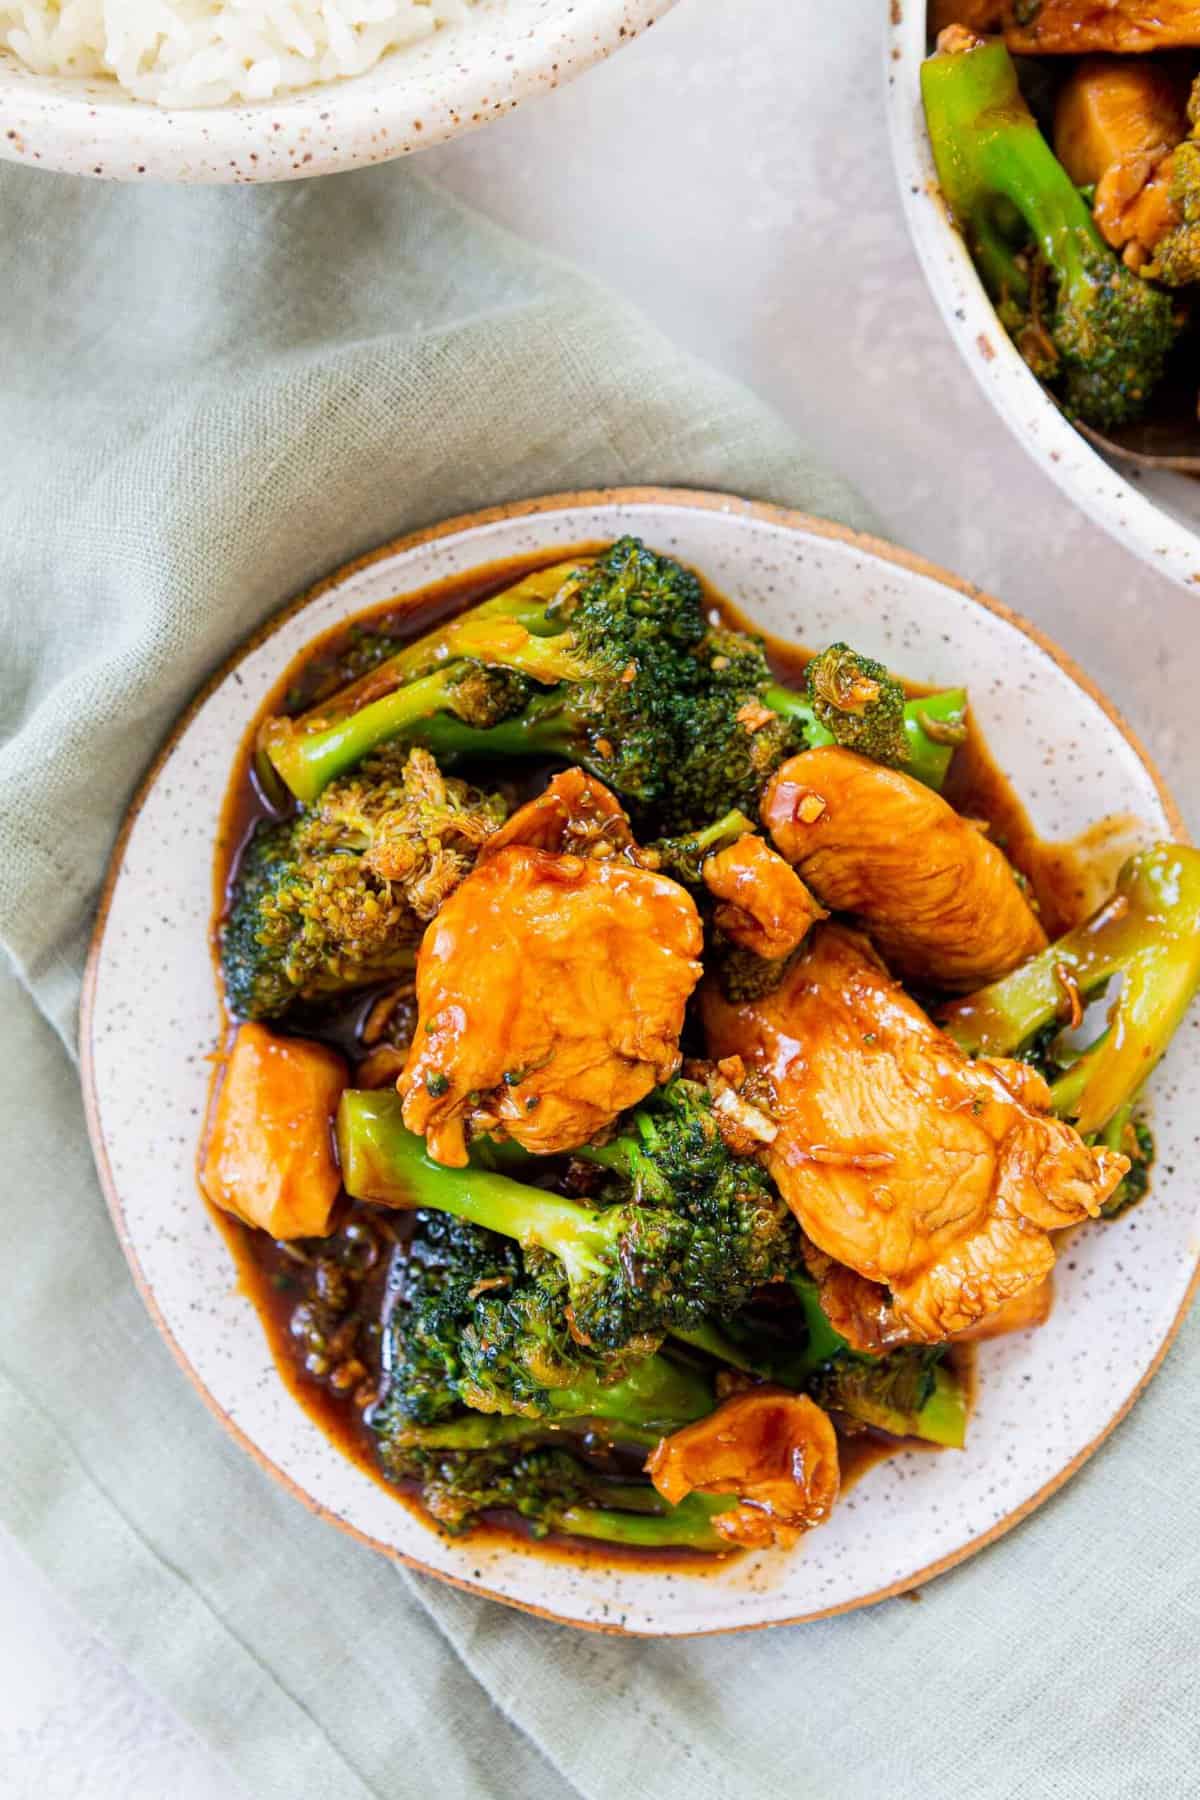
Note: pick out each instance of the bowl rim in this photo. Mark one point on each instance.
(92, 126)
(1101, 490)
(789, 518)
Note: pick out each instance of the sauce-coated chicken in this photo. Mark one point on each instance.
(1116, 121)
(775, 1450)
(938, 1177)
(942, 905)
(269, 1158)
(1127, 27)
(765, 907)
(551, 987)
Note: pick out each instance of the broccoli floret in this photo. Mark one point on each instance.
(1148, 934)
(688, 1229)
(858, 702)
(912, 1392)
(1175, 258)
(634, 683)
(548, 1488)
(671, 1155)
(909, 1392)
(338, 895)
(475, 1323)
(683, 858)
(1096, 332)
(1174, 255)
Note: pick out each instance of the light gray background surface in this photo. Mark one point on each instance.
(730, 174)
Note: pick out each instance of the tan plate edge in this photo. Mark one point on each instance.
(684, 498)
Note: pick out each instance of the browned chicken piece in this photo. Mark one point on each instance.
(1124, 27)
(269, 1158)
(1024, 1312)
(941, 903)
(860, 1310)
(765, 907)
(1116, 123)
(551, 991)
(936, 1176)
(776, 1451)
(981, 16)
(575, 813)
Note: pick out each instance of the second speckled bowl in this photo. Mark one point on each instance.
(507, 52)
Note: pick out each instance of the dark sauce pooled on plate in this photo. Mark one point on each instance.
(323, 1302)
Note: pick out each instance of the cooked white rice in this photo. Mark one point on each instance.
(203, 52)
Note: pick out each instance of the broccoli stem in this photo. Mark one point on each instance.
(383, 1161)
(940, 1418)
(933, 725)
(308, 760)
(987, 146)
(657, 1396)
(525, 605)
(687, 1526)
(1149, 934)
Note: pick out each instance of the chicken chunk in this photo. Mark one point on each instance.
(938, 1177)
(776, 1451)
(1026, 1311)
(982, 16)
(940, 902)
(1074, 27)
(269, 1158)
(1116, 123)
(859, 1310)
(765, 907)
(575, 813)
(551, 987)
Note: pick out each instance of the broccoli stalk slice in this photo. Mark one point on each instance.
(384, 1162)
(1106, 332)
(907, 1393)
(933, 724)
(687, 1526)
(1148, 933)
(656, 1396)
(525, 605)
(308, 760)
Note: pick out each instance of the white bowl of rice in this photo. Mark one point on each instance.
(270, 90)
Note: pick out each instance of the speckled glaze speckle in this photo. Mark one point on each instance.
(507, 52)
(1152, 512)
(150, 1020)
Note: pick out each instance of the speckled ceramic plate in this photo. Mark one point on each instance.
(1154, 513)
(1046, 1398)
(461, 77)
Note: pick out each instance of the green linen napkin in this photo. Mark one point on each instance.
(208, 399)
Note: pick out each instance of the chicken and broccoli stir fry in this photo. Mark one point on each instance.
(642, 1079)
(1066, 137)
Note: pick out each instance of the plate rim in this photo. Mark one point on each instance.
(708, 500)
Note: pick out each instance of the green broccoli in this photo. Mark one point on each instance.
(858, 702)
(634, 682)
(907, 1392)
(475, 1323)
(688, 1229)
(548, 1488)
(910, 1392)
(338, 895)
(1096, 332)
(1148, 934)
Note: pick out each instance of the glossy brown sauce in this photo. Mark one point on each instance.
(1064, 879)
